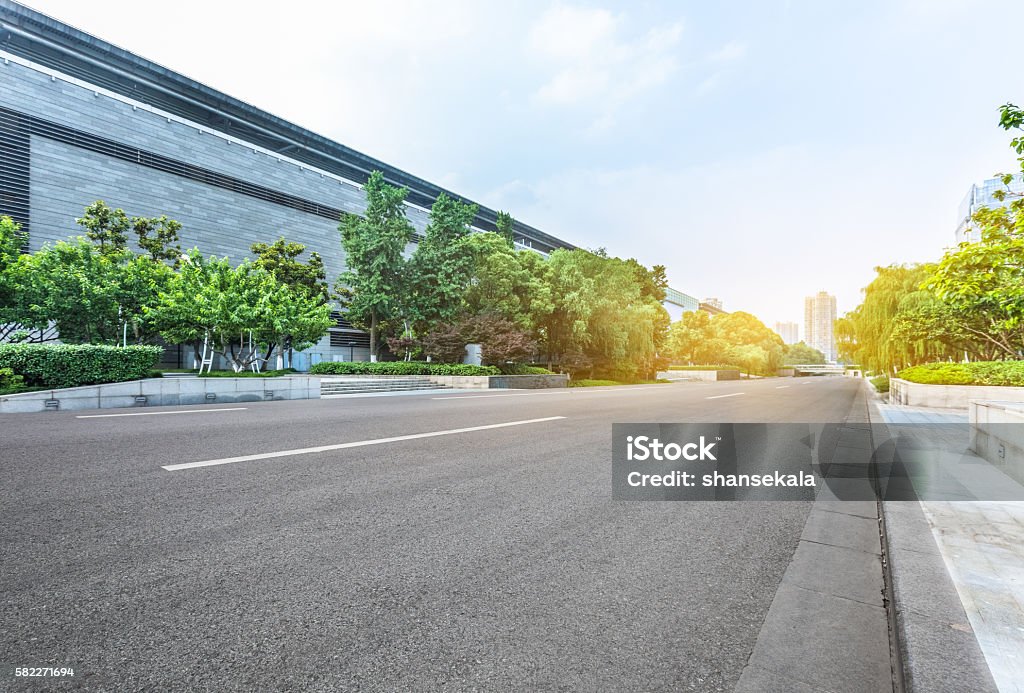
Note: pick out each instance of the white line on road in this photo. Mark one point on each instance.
(561, 391)
(781, 387)
(734, 394)
(356, 444)
(158, 413)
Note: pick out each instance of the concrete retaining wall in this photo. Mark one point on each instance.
(997, 435)
(699, 375)
(472, 382)
(949, 396)
(164, 392)
(527, 382)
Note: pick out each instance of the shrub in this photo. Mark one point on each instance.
(71, 365)
(881, 383)
(705, 368)
(977, 373)
(398, 368)
(10, 382)
(523, 369)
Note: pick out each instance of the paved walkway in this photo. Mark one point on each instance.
(982, 545)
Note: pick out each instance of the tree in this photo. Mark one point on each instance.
(502, 341)
(505, 282)
(801, 354)
(688, 338)
(442, 264)
(108, 229)
(280, 258)
(504, 225)
(158, 236)
(373, 287)
(12, 242)
(239, 310)
(751, 344)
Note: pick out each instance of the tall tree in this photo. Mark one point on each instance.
(442, 264)
(504, 224)
(373, 287)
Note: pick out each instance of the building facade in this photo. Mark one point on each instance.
(983, 195)
(82, 120)
(789, 331)
(819, 324)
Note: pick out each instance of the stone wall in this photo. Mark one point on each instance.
(948, 396)
(156, 392)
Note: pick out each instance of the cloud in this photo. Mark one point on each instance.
(593, 65)
(730, 52)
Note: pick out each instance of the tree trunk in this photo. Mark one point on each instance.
(373, 335)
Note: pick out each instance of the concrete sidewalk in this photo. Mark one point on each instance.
(957, 568)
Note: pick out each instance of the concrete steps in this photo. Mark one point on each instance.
(356, 385)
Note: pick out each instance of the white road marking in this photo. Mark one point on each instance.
(356, 444)
(781, 387)
(734, 394)
(808, 382)
(510, 394)
(159, 413)
(561, 391)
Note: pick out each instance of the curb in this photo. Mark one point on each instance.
(934, 645)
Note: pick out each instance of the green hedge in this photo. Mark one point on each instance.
(398, 368)
(881, 383)
(71, 365)
(9, 382)
(523, 369)
(977, 373)
(705, 368)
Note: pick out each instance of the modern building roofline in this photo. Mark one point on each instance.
(50, 42)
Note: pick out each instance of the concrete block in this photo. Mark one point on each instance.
(838, 529)
(850, 651)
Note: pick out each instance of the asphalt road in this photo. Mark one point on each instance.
(492, 559)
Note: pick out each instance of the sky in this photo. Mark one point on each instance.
(762, 151)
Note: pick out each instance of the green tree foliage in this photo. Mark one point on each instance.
(801, 354)
(90, 295)
(373, 289)
(234, 308)
(281, 259)
(752, 345)
(738, 338)
(441, 266)
(504, 224)
(12, 240)
(605, 318)
(881, 333)
(109, 228)
(505, 282)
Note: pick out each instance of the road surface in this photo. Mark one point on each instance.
(483, 559)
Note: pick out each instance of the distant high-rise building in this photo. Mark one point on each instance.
(713, 302)
(789, 331)
(983, 195)
(819, 321)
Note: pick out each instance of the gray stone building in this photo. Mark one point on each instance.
(83, 120)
